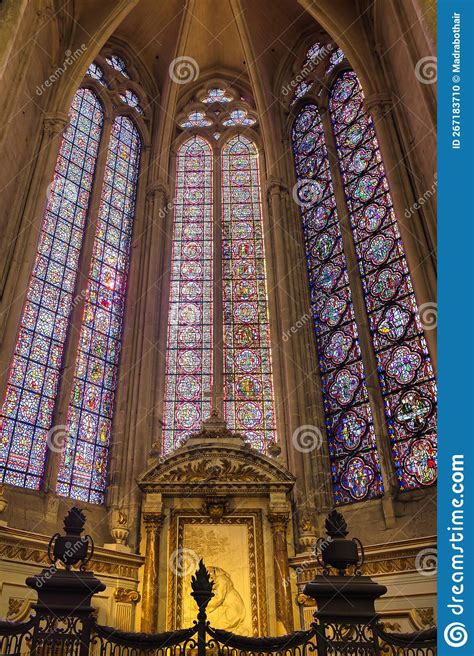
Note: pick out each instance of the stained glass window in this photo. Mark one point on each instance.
(249, 404)
(335, 59)
(354, 459)
(96, 73)
(216, 95)
(27, 410)
(83, 469)
(196, 120)
(132, 100)
(301, 90)
(117, 64)
(313, 54)
(239, 117)
(405, 370)
(189, 350)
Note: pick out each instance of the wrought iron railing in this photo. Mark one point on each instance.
(345, 623)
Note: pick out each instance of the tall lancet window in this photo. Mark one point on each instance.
(355, 463)
(248, 389)
(218, 351)
(404, 370)
(189, 350)
(83, 469)
(404, 366)
(75, 267)
(27, 410)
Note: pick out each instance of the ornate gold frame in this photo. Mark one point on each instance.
(253, 520)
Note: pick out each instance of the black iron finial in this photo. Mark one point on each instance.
(335, 550)
(201, 585)
(72, 548)
(336, 525)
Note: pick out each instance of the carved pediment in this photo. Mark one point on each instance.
(216, 461)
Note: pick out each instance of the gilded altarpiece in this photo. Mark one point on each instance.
(218, 499)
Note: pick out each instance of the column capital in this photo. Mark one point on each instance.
(379, 103)
(126, 596)
(275, 186)
(54, 123)
(157, 188)
(153, 521)
(278, 520)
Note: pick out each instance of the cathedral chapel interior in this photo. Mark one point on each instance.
(217, 300)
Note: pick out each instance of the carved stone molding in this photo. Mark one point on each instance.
(379, 104)
(25, 547)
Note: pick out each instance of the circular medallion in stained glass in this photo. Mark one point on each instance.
(420, 461)
(361, 159)
(240, 178)
(353, 136)
(240, 212)
(194, 196)
(189, 337)
(244, 290)
(190, 291)
(189, 313)
(245, 335)
(249, 415)
(248, 387)
(187, 416)
(193, 231)
(305, 120)
(350, 430)
(372, 217)
(342, 89)
(191, 270)
(241, 230)
(188, 362)
(357, 478)
(246, 360)
(188, 388)
(245, 312)
(307, 144)
(191, 250)
(240, 162)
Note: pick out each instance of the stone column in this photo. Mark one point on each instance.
(284, 611)
(153, 523)
(125, 602)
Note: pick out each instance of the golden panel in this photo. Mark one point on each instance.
(232, 550)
